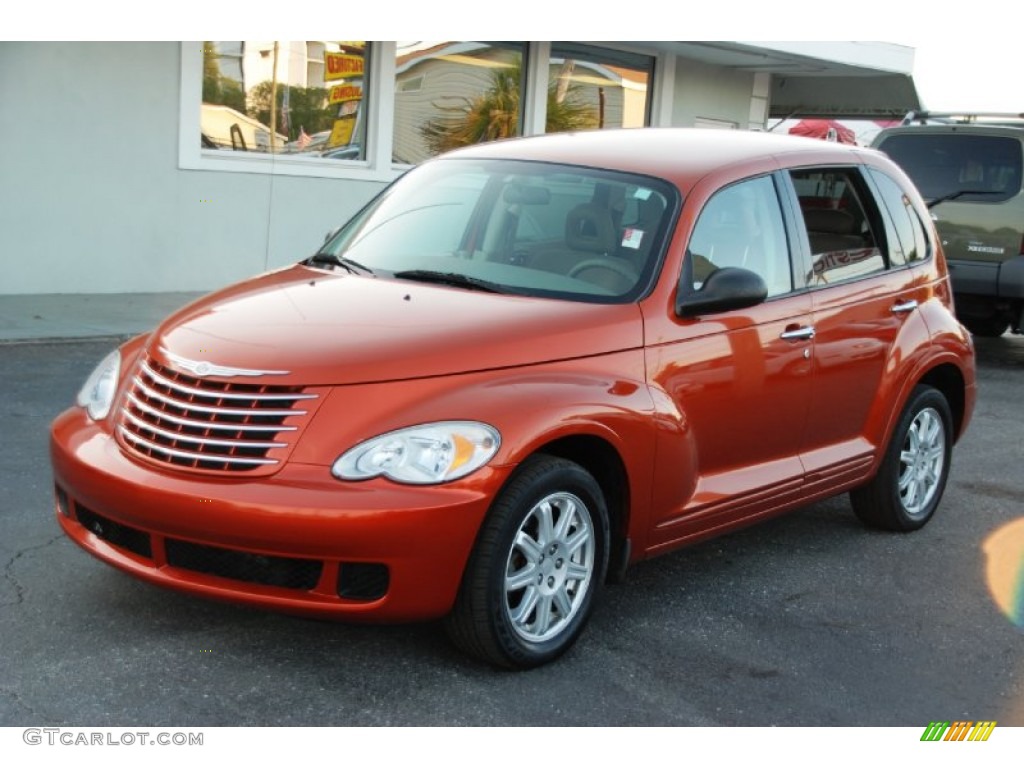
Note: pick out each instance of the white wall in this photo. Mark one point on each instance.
(91, 196)
(712, 93)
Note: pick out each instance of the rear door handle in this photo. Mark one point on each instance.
(903, 307)
(796, 334)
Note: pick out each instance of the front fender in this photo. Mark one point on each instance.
(603, 397)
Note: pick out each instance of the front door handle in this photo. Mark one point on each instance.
(796, 334)
(902, 307)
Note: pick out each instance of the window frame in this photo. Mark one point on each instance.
(380, 108)
(379, 113)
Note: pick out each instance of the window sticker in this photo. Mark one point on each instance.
(631, 238)
(642, 193)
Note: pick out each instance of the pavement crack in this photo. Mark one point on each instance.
(10, 578)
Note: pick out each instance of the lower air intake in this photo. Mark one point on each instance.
(287, 572)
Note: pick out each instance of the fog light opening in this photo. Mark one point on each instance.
(63, 506)
(363, 581)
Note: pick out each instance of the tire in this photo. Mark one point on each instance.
(906, 491)
(988, 327)
(539, 561)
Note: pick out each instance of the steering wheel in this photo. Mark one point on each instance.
(621, 268)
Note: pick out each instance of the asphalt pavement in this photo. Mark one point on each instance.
(805, 620)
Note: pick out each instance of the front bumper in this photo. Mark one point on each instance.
(297, 541)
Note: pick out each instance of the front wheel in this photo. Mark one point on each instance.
(539, 561)
(905, 493)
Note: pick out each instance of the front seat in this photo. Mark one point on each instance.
(590, 231)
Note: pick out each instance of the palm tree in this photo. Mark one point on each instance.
(494, 114)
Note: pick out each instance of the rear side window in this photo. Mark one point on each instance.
(842, 224)
(970, 169)
(911, 243)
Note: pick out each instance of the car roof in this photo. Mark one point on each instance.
(968, 129)
(681, 155)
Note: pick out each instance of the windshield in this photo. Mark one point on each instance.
(956, 166)
(514, 227)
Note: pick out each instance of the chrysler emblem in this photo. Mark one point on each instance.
(206, 368)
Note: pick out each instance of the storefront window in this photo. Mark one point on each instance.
(597, 88)
(316, 88)
(324, 108)
(452, 94)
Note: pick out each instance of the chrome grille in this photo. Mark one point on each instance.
(207, 425)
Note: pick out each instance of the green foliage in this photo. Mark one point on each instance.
(308, 108)
(494, 114)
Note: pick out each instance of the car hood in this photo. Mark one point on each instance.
(313, 327)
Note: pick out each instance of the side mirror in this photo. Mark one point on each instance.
(725, 289)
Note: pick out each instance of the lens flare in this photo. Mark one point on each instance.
(1004, 569)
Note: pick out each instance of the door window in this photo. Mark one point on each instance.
(842, 229)
(742, 226)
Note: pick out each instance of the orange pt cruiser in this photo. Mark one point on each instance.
(523, 367)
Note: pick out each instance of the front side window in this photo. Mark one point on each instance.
(742, 226)
(281, 97)
(841, 225)
(536, 229)
(957, 166)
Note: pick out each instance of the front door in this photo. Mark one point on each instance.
(740, 381)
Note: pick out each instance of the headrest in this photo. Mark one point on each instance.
(589, 227)
(650, 210)
(828, 220)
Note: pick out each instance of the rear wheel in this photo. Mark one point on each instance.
(905, 493)
(538, 563)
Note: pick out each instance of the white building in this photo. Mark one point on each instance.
(109, 184)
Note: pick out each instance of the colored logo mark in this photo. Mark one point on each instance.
(960, 730)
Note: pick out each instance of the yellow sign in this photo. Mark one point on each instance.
(341, 93)
(341, 133)
(341, 65)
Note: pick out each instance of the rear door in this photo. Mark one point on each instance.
(861, 295)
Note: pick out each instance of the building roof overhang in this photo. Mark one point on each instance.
(818, 79)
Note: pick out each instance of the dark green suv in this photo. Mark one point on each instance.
(969, 168)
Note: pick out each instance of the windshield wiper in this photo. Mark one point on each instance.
(449, 278)
(322, 257)
(955, 195)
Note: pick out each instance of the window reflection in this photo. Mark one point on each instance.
(843, 243)
(450, 94)
(316, 88)
(597, 88)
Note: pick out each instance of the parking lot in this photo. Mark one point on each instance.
(805, 620)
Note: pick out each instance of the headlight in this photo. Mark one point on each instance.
(97, 394)
(428, 453)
